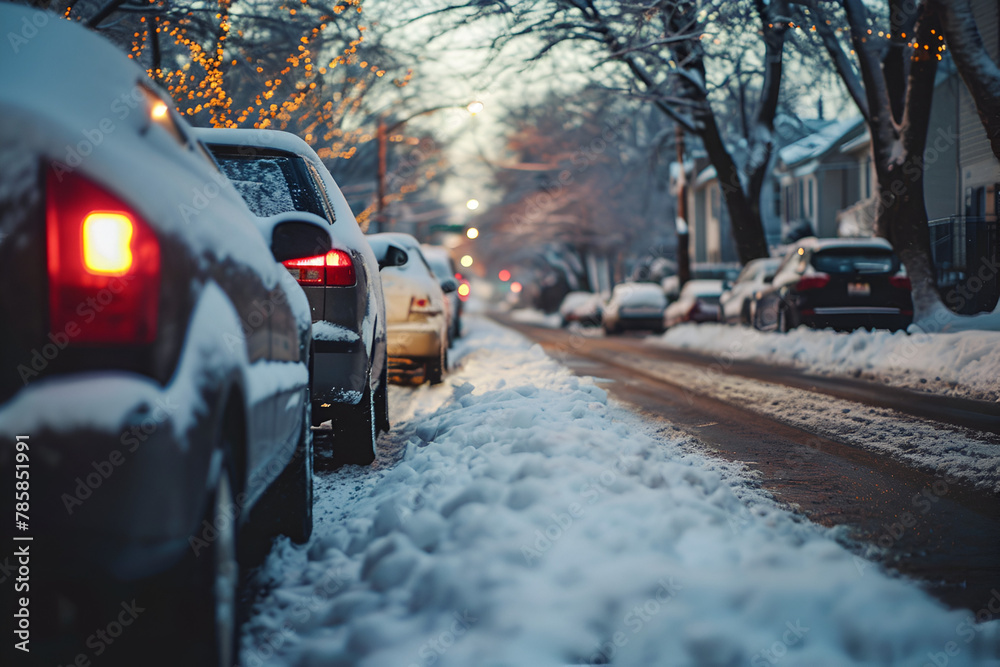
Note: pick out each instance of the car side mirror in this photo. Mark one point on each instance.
(394, 256)
(449, 285)
(295, 239)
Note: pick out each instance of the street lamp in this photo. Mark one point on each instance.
(381, 136)
(466, 261)
(472, 204)
(472, 233)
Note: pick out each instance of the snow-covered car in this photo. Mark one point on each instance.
(635, 306)
(154, 388)
(444, 269)
(277, 172)
(737, 299)
(415, 308)
(698, 302)
(582, 307)
(839, 283)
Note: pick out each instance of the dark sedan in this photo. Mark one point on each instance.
(277, 172)
(153, 366)
(838, 283)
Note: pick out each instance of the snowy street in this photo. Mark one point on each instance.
(519, 515)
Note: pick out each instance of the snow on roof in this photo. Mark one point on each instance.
(818, 144)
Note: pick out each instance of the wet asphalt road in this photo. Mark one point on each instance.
(920, 523)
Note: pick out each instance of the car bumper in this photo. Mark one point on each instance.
(340, 371)
(114, 495)
(847, 318)
(641, 323)
(414, 340)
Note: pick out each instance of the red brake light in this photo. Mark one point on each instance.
(900, 282)
(816, 281)
(103, 264)
(334, 268)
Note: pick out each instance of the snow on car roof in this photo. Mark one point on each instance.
(702, 288)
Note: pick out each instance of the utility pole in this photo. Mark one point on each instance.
(382, 137)
(380, 178)
(683, 237)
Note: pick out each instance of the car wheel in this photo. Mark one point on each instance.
(291, 501)
(782, 319)
(354, 430)
(745, 319)
(211, 610)
(436, 368)
(382, 403)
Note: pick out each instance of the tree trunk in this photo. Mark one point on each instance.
(905, 210)
(747, 228)
(980, 74)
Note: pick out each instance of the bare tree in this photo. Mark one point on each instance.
(891, 79)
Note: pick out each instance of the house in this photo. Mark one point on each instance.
(818, 180)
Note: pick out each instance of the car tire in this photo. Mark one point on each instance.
(782, 319)
(354, 436)
(382, 403)
(212, 606)
(290, 503)
(745, 319)
(437, 367)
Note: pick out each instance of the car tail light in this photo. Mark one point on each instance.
(900, 282)
(424, 306)
(816, 281)
(334, 268)
(103, 264)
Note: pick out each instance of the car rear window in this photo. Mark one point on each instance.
(271, 184)
(855, 261)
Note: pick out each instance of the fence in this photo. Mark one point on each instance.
(965, 254)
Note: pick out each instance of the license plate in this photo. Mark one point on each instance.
(859, 289)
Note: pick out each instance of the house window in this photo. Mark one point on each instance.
(776, 198)
(802, 200)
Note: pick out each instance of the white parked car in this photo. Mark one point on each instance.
(416, 316)
(635, 306)
(582, 307)
(698, 302)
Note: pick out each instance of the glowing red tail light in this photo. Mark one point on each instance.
(334, 268)
(900, 282)
(103, 264)
(816, 281)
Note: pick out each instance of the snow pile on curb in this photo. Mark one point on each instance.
(528, 521)
(963, 364)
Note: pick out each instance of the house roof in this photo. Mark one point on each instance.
(818, 144)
